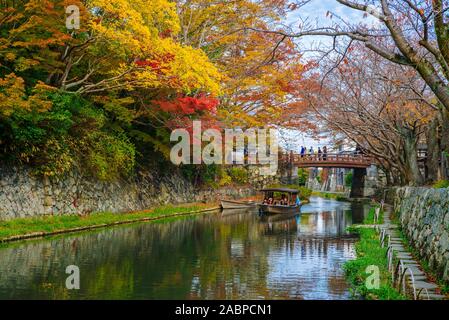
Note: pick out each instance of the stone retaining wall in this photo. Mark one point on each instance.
(424, 217)
(25, 195)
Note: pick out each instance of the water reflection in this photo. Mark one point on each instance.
(229, 255)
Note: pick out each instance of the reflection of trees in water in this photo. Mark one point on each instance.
(146, 261)
(359, 211)
(239, 266)
(315, 271)
(210, 256)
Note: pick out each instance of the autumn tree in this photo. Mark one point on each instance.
(262, 71)
(416, 32)
(69, 94)
(379, 106)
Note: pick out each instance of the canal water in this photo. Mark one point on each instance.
(223, 255)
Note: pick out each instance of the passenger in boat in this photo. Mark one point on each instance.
(265, 201)
(298, 201)
(284, 200)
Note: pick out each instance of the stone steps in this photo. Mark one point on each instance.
(417, 278)
(433, 296)
(425, 289)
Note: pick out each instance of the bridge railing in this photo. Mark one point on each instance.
(347, 159)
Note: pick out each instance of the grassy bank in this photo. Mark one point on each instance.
(330, 195)
(370, 253)
(40, 226)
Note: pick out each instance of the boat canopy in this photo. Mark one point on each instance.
(285, 190)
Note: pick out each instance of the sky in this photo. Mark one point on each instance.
(315, 14)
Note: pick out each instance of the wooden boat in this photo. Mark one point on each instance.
(279, 218)
(233, 204)
(277, 208)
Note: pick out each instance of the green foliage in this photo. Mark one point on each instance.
(208, 174)
(71, 131)
(40, 139)
(215, 176)
(441, 184)
(108, 156)
(224, 179)
(202, 174)
(369, 219)
(329, 195)
(304, 193)
(238, 175)
(348, 179)
(303, 175)
(93, 105)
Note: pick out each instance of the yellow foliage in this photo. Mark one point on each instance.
(121, 45)
(134, 30)
(257, 84)
(13, 97)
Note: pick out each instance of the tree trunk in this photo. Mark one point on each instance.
(413, 175)
(433, 152)
(444, 143)
(387, 174)
(444, 133)
(397, 178)
(439, 88)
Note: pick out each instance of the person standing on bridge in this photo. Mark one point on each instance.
(319, 154)
(303, 151)
(311, 152)
(324, 153)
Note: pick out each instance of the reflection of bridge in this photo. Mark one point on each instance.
(350, 161)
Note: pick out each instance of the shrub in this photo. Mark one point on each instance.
(303, 175)
(224, 178)
(107, 156)
(238, 175)
(44, 139)
(341, 198)
(304, 193)
(348, 179)
(441, 184)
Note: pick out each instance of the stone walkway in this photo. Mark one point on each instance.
(407, 274)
